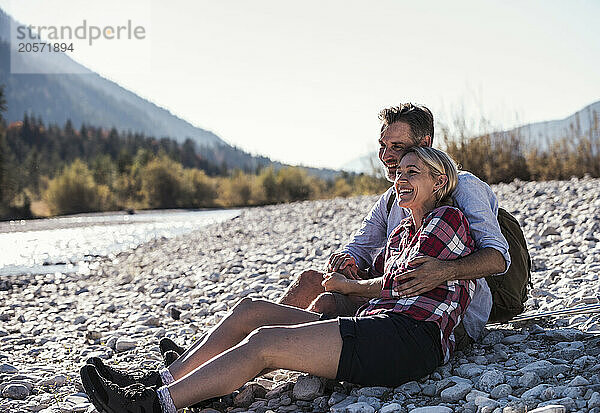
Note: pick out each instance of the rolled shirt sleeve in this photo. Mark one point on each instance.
(480, 206)
(371, 237)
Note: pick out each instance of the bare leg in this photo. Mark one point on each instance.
(325, 304)
(304, 290)
(302, 293)
(245, 317)
(311, 347)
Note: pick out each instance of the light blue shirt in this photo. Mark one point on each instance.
(479, 205)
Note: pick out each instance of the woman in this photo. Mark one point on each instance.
(392, 339)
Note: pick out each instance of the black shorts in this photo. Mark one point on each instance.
(387, 349)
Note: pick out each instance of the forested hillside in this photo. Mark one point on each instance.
(50, 169)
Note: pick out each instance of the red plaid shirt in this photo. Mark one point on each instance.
(445, 236)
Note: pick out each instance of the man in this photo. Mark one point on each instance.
(404, 126)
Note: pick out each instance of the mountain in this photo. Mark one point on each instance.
(585, 122)
(86, 97)
(366, 163)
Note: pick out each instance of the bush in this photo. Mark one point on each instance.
(75, 190)
(294, 184)
(342, 188)
(267, 179)
(198, 189)
(162, 181)
(239, 190)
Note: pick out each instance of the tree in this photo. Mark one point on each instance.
(198, 189)
(3, 169)
(32, 170)
(268, 181)
(2, 103)
(294, 184)
(74, 190)
(161, 183)
(3, 150)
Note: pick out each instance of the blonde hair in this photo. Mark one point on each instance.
(439, 163)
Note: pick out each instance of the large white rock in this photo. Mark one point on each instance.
(432, 409)
(554, 408)
(125, 343)
(456, 392)
(360, 407)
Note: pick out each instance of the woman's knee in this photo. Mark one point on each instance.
(258, 341)
(325, 303)
(249, 310)
(266, 343)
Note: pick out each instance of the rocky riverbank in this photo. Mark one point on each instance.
(179, 288)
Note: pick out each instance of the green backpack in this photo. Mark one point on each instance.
(509, 290)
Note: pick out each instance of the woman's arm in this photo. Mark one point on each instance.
(336, 282)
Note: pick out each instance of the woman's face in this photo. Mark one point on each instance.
(414, 184)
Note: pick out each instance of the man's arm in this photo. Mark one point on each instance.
(480, 206)
(433, 272)
(336, 282)
(371, 237)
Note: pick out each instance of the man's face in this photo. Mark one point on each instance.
(392, 144)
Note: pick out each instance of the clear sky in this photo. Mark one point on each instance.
(302, 81)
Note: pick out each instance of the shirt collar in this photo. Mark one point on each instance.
(408, 221)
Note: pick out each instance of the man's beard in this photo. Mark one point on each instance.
(390, 176)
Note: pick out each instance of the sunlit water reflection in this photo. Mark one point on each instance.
(69, 244)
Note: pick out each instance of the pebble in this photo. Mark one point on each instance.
(411, 388)
(248, 395)
(554, 408)
(392, 408)
(482, 402)
(308, 388)
(543, 368)
(125, 343)
(490, 379)
(7, 368)
(594, 400)
(55, 381)
(360, 407)
(432, 409)
(529, 379)
(15, 391)
(456, 392)
(578, 381)
(501, 391)
(341, 406)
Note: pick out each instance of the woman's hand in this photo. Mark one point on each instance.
(336, 282)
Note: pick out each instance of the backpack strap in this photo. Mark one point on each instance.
(390, 202)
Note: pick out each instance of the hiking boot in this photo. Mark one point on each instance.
(123, 379)
(169, 357)
(110, 398)
(166, 344)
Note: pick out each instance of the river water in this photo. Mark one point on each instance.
(73, 243)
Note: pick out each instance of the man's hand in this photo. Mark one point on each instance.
(336, 282)
(430, 273)
(343, 263)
